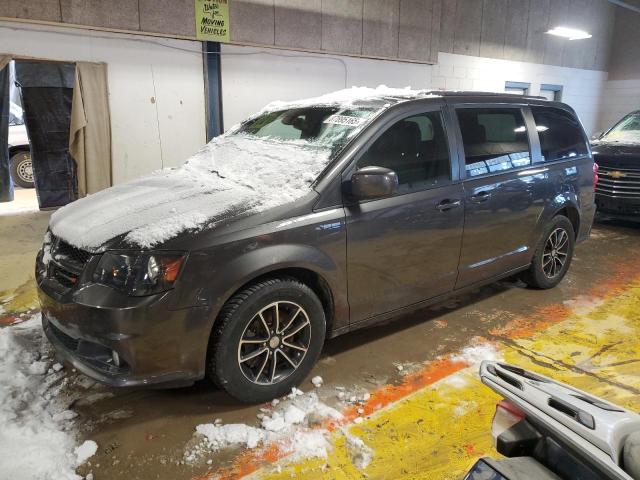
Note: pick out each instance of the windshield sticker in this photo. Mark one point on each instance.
(344, 120)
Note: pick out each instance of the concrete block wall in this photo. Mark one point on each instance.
(582, 88)
(619, 97)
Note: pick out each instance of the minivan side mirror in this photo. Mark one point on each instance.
(373, 182)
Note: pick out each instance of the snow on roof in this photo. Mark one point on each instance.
(350, 96)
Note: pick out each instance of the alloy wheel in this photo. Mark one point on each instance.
(274, 343)
(556, 252)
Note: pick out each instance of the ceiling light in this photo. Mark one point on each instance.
(570, 33)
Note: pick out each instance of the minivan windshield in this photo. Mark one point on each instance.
(627, 130)
(329, 127)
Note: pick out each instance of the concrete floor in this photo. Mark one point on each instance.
(429, 420)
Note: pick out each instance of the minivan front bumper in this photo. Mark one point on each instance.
(153, 344)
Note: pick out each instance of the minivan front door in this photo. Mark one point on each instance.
(504, 193)
(404, 249)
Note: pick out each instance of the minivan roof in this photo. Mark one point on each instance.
(386, 96)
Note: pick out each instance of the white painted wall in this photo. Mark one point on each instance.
(156, 90)
(253, 77)
(619, 98)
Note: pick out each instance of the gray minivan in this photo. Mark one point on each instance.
(308, 220)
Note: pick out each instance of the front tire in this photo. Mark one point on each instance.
(553, 255)
(22, 169)
(266, 340)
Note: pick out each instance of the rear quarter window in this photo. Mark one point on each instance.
(494, 139)
(561, 136)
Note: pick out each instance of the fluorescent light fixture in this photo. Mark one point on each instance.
(570, 33)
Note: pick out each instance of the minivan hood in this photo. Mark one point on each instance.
(231, 176)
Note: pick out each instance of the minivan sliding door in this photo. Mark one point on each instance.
(504, 192)
(404, 249)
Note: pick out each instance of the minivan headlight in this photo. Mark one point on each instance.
(139, 274)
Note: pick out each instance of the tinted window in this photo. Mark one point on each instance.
(560, 134)
(416, 149)
(495, 139)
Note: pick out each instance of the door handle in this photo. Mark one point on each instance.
(445, 205)
(481, 197)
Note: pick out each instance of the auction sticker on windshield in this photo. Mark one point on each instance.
(344, 120)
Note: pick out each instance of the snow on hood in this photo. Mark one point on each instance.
(232, 173)
(349, 96)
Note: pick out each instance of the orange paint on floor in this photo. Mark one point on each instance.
(541, 318)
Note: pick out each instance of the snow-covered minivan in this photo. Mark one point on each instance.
(308, 220)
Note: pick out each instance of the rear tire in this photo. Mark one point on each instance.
(266, 340)
(552, 256)
(22, 169)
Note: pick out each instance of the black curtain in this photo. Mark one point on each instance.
(47, 90)
(6, 185)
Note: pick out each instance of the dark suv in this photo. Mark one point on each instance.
(617, 153)
(309, 220)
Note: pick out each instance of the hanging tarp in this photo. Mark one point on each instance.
(90, 139)
(6, 185)
(47, 90)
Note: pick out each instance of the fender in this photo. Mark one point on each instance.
(566, 200)
(219, 280)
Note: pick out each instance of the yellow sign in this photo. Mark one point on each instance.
(212, 20)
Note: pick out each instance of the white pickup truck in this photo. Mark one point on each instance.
(19, 152)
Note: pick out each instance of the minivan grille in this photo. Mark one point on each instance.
(619, 183)
(67, 263)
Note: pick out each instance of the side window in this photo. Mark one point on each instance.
(416, 149)
(495, 139)
(560, 134)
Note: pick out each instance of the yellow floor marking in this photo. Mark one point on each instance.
(439, 431)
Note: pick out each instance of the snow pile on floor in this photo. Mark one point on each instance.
(477, 352)
(36, 431)
(295, 426)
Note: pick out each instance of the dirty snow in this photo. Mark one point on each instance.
(85, 451)
(361, 454)
(476, 353)
(295, 426)
(37, 438)
(317, 381)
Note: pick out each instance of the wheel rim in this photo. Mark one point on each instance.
(25, 170)
(556, 252)
(274, 343)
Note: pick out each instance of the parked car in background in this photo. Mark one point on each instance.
(19, 151)
(617, 153)
(548, 430)
(309, 220)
